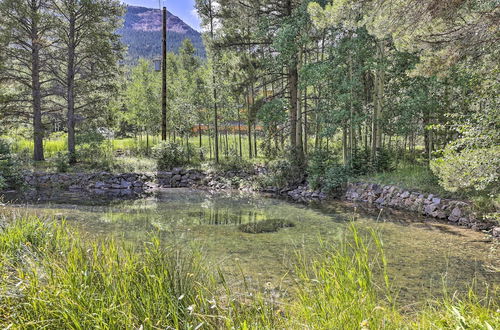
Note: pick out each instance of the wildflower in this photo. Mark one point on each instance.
(191, 309)
(213, 304)
(268, 286)
(364, 325)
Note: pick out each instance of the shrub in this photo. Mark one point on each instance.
(97, 155)
(282, 172)
(361, 163)
(383, 161)
(232, 163)
(171, 154)
(319, 162)
(470, 169)
(61, 162)
(335, 177)
(10, 173)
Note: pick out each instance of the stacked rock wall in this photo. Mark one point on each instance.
(109, 181)
(457, 212)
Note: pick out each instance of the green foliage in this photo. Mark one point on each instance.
(232, 163)
(61, 162)
(335, 178)
(326, 171)
(476, 169)
(171, 154)
(411, 176)
(143, 96)
(282, 172)
(10, 171)
(319, 162)
(94, 150)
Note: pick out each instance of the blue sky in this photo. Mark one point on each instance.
(184, 9)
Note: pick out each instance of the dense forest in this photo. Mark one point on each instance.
(304, 93)
(304, 81)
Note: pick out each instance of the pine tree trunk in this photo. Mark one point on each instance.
(36, 93)
(378, 100)
(239, 134)
(70, 85)
(293, 88)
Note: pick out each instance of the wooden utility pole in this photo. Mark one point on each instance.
(164, 79)
(214, 81)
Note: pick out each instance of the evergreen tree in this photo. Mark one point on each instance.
(86, 63)
(26, 40)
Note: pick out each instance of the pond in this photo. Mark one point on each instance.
(423, 255)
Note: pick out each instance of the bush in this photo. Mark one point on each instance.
(61, 162)
(97, 155)
(383, 161)
(171, 154)
(10, 173)
(361, 163)
(335, 177)
(469, 170)
(282, 172)
(319, 163)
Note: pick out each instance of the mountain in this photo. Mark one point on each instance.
(142, 33)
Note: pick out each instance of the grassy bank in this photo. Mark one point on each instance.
(52, 278)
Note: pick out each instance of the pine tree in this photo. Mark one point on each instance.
(86, 63)
(25, 34)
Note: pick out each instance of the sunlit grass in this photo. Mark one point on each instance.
(53, 278)
(410, 176)
(139, 145)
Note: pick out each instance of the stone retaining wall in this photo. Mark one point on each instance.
(108, 181)
(137, 182)
(457, 212)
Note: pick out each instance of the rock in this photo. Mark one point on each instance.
(496, 232)
(406, 194)
(455, 214)
(177, 177)
(429, 209)
(138, 184)
(464, 222)
(125, 184)
(100, 185)
(436, 200)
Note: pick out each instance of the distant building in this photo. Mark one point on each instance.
(231, 127)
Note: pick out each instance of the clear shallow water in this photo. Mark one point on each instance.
(422, 255)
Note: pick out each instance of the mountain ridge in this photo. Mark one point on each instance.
(142, 33)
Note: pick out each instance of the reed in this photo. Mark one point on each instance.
(53, 278)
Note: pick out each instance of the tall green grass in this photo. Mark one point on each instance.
(410, 176)
(52, 278)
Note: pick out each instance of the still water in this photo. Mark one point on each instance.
(423, 255)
